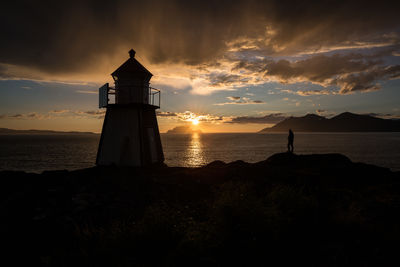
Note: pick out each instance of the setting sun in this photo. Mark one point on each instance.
(195, 121)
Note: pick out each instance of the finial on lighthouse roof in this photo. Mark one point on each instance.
(132, 53)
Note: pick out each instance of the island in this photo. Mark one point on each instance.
(183, 130)
(6, 131)
(344, 122)
(288, 210)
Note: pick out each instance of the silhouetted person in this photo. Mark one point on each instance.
(290, 141)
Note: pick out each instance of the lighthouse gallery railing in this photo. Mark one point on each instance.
(154, 97)
(106, 90)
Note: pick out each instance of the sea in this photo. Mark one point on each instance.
(40, 152)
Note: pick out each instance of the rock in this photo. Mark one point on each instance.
(229, 213)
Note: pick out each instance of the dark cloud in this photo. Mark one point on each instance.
(78, 36)
(309, 92)
(31, 115)
(367, 81)
(271, 118)
(59, 111)
(351, 72)
(318, 68)
(225, 79)
(235, 100)
(67, 36)
(94, 112)
(98, 114)
(16, 116)
(166, 114)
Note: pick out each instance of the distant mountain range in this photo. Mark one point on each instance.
(345, 122)
(182, 130)
(12, 131)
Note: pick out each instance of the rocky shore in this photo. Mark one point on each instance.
(319, 210)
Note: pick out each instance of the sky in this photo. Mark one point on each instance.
(231, 66)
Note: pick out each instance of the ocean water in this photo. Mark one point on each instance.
(36, 153)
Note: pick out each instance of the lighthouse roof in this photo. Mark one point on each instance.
(131, 66)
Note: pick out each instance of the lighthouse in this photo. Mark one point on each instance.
(130, 135)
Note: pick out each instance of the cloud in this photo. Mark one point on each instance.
(16, 116)
(236, 100)
(315, 92)
(87, 91)
(188, 116)
(98, 114)
(351, 72)
(166, 114)
(192, 33)
(24, 116)
(94, 112)
(225, 79)
(33, 115)
(175, 31)
(60, 111)
(309, 92)
(267, 119)
(366, 81)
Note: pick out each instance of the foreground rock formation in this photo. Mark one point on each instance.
(319, 210)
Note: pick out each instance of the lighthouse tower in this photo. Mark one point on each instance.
(130, 135)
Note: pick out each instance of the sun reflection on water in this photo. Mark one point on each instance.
(195, 154)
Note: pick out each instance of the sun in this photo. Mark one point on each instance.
(195, 121)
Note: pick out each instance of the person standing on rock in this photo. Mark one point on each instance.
(290, 141)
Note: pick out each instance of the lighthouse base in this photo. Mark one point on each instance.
(130, 136)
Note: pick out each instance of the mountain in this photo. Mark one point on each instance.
(13, 131)
(344, 122)
(183, 130)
